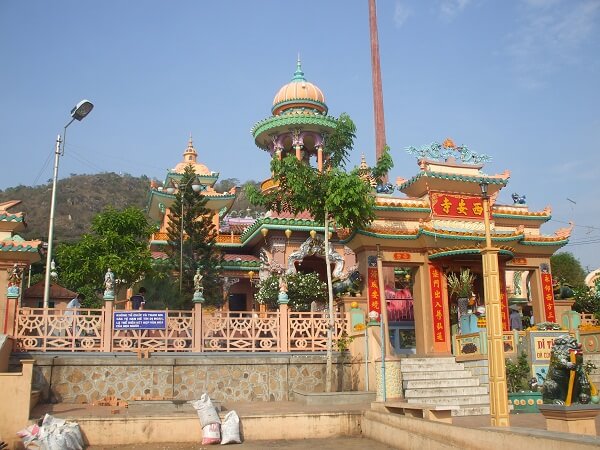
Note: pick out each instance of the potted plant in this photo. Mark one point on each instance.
(521, 393)
(461, 286)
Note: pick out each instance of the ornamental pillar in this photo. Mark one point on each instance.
(282, 300)
(197, 324)
(107, 328)
(320, 158)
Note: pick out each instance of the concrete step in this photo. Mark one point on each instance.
(472, 410)
(444, 360)
(435, 375)
(432, 367)
(443, 383)
(445, 392)
(454, 400)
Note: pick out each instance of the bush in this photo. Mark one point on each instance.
(303, 288)
(517, 374)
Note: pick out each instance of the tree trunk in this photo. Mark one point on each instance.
(331, 325)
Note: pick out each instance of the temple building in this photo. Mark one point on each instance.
(428, 226)
(16, 256)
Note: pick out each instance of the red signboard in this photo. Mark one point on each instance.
(437, 304)
(548, 294)
(456, 205)
(401, 256)
(373, 293)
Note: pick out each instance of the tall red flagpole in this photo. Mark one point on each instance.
(377, 85)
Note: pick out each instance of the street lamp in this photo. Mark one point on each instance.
(78, 113)
(493, 308)
(196, 187)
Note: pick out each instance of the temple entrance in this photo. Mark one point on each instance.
(237, 302)
(313, 263)
(399, 282)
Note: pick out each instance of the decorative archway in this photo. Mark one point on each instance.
(316, 246)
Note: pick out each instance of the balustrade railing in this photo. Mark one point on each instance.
(45, 330)
(86, 330)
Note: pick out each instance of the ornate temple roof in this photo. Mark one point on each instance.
(297, 104)
(190, 156)
(299, 93)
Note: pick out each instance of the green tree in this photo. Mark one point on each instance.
(587, 300)
(303, 288)
(199, 241)
(334, 195)
(118, 240)
(567, 269)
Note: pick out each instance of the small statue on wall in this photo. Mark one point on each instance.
(14, 275)
(109, 283)
(519, 199)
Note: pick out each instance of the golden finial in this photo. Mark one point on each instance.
(448, 143)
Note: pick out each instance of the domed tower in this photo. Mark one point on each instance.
(299, 124)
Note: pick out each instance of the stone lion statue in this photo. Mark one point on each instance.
(556, 385)
(350, 285)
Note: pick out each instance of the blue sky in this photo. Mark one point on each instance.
(517, 80)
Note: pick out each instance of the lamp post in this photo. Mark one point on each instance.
(491, 288)
(78, 113)
(197, 187)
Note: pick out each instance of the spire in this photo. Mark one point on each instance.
(298, 74)
(190, 154)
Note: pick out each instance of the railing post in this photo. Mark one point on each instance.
(284, 321)
(197, 324)
(107, 325)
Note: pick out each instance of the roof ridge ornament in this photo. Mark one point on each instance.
(443, 152)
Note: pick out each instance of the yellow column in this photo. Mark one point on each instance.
(320, 158)
(491, 287)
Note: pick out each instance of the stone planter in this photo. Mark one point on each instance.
(525, 402)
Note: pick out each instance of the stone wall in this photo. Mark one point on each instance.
(89, 378)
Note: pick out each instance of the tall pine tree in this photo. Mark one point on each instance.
(199, 240)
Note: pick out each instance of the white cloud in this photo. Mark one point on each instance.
(548, 35)
(401, 13)
(451, 8)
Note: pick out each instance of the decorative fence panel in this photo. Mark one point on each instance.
(85, 330)
(308, 330)
(241, 332)
(45, 330)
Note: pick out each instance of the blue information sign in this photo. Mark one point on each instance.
(140, 320)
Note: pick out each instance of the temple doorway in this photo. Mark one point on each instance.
(399, 283)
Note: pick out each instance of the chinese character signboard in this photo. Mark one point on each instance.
(140, 320)
(437, 304)
(456, 206)
(373, 286)
(548, 294)
(504, 304)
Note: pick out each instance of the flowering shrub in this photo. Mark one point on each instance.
(303, 288)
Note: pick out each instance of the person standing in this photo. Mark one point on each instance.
(71, 310)
(515, 319)
(138, 300)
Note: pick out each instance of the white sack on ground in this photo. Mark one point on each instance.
(230, 429)
(207, 413)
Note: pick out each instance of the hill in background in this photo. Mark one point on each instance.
(80, 197)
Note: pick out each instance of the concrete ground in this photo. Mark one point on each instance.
(73, 412)
(346, 443)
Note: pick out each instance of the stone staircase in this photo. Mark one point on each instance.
(443, 381)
